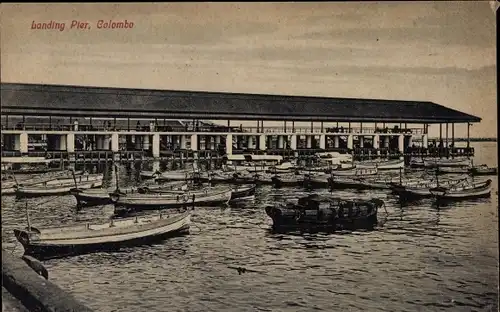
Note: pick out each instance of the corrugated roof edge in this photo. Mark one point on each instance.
(12, 86)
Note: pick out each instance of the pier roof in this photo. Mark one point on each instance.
(84, 101)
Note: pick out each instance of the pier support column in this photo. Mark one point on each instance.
(250, 142)
(376, 139)
(336, 141)
(156, 145)
(229, 144)
(293, 141)
(138, 142)
(15, 141)
(401, 141)
(99, 142)
(425, 141)
(212, 142)
(108, 142)
(62, 142)
(146, 142)
(217, 141)
(23, 142)
(322, 141)
(269, 141)
(350, 141)
(281, 142)
(70, 143)
(386, 141)
(115, 142)
(182, 141)
(194, 142)
(262, 142)
(309, 141)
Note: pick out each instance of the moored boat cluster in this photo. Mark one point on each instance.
(175, 193)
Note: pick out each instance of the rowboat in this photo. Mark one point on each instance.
(253, 178)
(324, 213)
(9, 182)
(335, 182)
(465, 191)
(34, 170)
(96, 196)
(316, 180)
(90, 197)
(454, 170)
(60, 187)
(417, 163)
(57, 242)
(281, 168)
(354, 171)
(222, 176)
(243, 192)
(422, 190)
(206, 197)
(382, 165)
(177, 175)
(149, 174)
(322, 169)
(444, 162)
(287, 180)
(483, 170)
(164, 188)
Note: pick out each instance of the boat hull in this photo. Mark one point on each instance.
(72, 240)
(46, 252)
(315, 181)
(243, 192)
(447, 163)
(90, 199)
(170, 201)
(335, 183)
(8, 191)
(26, 192)
(386, 165)
(480, 190)
(285, 182)
(484, 172)
(284, 222)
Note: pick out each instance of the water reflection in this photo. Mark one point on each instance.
(420, 256)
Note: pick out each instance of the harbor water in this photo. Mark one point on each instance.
(421, 257)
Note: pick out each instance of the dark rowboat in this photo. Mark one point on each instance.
(483, 170)
(91, 197)
(315, 180)
(66, 241)
(286, 180)
(323, 213)
(243, 192)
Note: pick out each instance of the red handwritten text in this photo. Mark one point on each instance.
(101, 24)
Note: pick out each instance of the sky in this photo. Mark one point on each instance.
(444, 52)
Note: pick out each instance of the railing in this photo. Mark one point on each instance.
(208, 129)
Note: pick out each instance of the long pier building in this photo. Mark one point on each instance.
(62, 121)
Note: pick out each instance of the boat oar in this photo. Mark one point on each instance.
(116, 179)
(74, 178)
(28, 217)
